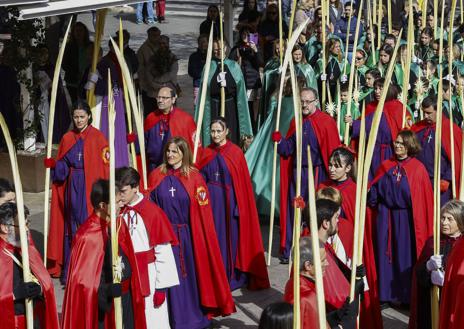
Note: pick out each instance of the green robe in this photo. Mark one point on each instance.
(307, 71)
(244, 121)
(355, 114)
(269, 84)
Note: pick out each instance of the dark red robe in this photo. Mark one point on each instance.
(96, 160)
(44, 310)
(326, 132)
(250, 254)
(446, 144)
(80, 303)
(213, 286)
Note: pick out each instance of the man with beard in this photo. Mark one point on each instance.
(196, 63)
(13, 290)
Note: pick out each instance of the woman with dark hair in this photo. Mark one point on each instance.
(178, 188)
(424, 50)
(402, 193)
(76, 58)
(248, 14)
(236, 219)
(385, 57)
(390, 124)
(277, 316)
(211, 17)
(83, 157)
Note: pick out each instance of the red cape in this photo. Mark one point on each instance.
(80, 304)
(326, 132)
(452, 297)
(250, 254)
(44, 310)
(213, 286)
(95, 167)
(446, 144)
(308, 302)
(421, 197)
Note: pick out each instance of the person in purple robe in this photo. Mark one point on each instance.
(109, 62)
(402, 193)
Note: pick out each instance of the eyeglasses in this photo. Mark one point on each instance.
(359, 58)
(308, 101)
(163, 97)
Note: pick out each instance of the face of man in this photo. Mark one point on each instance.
(333, 226)
(8, 197)
(308, 102)
(425, 39)
(165, 100)
(153, 36)
(344, 96)
(348, 10)
(126, 195)
(390, 41)
(430, 115)
(10, 232)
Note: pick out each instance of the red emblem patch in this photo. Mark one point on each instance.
(106, 155)
(202, 196)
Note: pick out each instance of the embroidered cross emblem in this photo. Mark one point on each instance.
(172, 190)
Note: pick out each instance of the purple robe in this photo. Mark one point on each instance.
(101, 89)
(226, 217)
(383, 148)
(71, 169)
(155, 139)
(394, 227)
(427, 156)
(286, 148)
(185, 311)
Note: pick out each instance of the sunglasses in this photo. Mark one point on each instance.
(359, 58)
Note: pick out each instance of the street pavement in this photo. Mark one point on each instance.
(184, 18)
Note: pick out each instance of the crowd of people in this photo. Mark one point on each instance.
(193, 235)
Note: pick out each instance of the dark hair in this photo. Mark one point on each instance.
(388, 49)
(390, 36)
(447, 85)
(344, 86)
(375, 73)
(86, 33)
(9, 211)
(277, 316)
(410, 141)
(153, 29)
(430, 100)
(392, 92)
(100, 193)
(5, 187)
(325, 209)
(428, 31)
(342, 154)
(127, 176)
(201, 37)
(221, 121)
(125, 35)
(81, 104)
(212, 7)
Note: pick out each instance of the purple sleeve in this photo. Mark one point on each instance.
(286, 147)
(355, 129)
(61, 171)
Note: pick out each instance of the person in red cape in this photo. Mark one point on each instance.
(234, 210)
(319, 131)
(83, 157)
(391, 123)
(162, 124)
(402, 193)
(425, 131)
(179, 189)
(13, 290)
(430, 268)
(152, 237)
(90, 290)
(344, 317)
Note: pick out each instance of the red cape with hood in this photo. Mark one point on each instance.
(96, 162)
(80, 304)
(452, 296)
(44, 310)
(446, 144)
(421, 197)
(326, 132)
(250, 254)
(212, 282)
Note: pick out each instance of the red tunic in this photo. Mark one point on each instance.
(80, 303)
(44, 310)
(95, 166)
(212, 282)
(250, 254)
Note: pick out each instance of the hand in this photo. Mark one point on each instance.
(437, 277)
(349, 314)
(89, 85)
(434, 263)
(221, 79)
(276, 136)
(323, 77)
(27, 290)
(159, 297)
(444, 185)
(349, 119)
(49, 163)
(344, 78)
(114, 290)
(93, 77)
(253, 47)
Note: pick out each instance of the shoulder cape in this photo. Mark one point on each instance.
(421, 197)
(250, 254)
(446, 144)
(80, 304)
(326, 132)
(244, 120)
(44, 310)
(96, 163)
(213, 286)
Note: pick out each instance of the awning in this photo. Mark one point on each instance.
(4, 3)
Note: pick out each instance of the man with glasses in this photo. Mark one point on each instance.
(319, 131)
(165, 122)
(13, 290)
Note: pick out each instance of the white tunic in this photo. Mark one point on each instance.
(162, 273)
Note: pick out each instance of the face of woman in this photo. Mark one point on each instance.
(335, 49)
(251, 4)
(449, 226)
(174, 156)
(425, 39)
(400, 150)
(359, 60)
(297, 56)
(377, 92)
(338, 172)
(213, 13)
(369, 81)
(219, 134)
(81, 119)
(384, 57)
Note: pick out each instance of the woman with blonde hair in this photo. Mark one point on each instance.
(179, 189)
